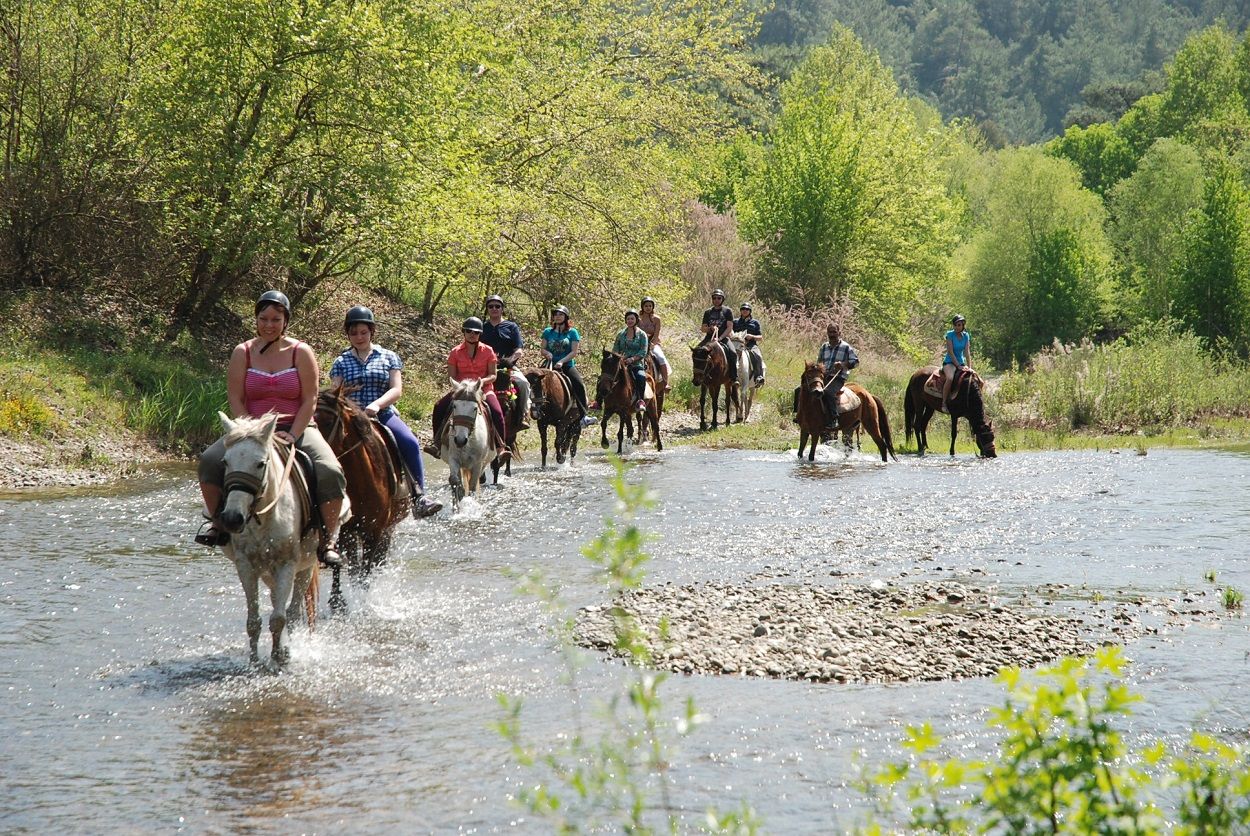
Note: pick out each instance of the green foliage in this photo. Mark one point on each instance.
(1232, 598)
(850, 201)
(1101, 155)
(21, 412)
(619, 779)
(1209, 576)
(1116, 386)
(1062, 766)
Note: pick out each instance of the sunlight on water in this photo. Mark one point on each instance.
(128, 648)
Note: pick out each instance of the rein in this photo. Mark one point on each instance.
(286, 474)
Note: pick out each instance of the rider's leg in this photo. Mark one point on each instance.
(578, 387)
(496, 418)
(661, 363)
(523, 398)
(438, 416)
(331, 488)
(832, 389)
(410, 452)
(640, 383)
(757, 364)
(212, 470)
(948, 377)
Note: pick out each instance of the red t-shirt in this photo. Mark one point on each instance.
(465, 367)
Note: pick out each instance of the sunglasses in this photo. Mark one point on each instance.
(492, 307)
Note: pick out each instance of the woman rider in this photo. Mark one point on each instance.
(958, 354)
(560, 345)
(650, 324)
(274, 373)
(631, 348)
(471, 360)
(379, 374)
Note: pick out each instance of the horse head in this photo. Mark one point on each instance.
(699, 359)
(466, 407)
(982, 427)
(249, 444)
(813, 379)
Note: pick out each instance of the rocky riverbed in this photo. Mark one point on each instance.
(879, 632)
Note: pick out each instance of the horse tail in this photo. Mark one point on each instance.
(909, 413)
(885, 427)
(311, 593)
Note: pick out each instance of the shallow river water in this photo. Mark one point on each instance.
(128, 705)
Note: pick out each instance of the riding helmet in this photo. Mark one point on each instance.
(493, 298)
(718, 292)
(358, 313)
(632, 311)
(561, 309)
(645, 300)
(958, 318)
(274, 297)
(472, 324)
(745, 306)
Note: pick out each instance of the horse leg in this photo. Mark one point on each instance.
(542, 442)
(702, 406)
(603, 428)
(654, 416)
(247, 577)
(715, 406)
(954, 431)
(279, 598)
(338, 604)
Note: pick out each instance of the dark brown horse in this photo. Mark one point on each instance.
(615, 393)
(552, 405)
(511, 406)
(711, 372)
(965, 402)
(867, 414)
(376, 484)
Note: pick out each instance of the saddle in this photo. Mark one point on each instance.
(933, 383)
(848, 401)
(305, 480)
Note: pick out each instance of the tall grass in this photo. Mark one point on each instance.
(1151, 379)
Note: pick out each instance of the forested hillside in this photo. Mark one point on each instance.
(1022, 69)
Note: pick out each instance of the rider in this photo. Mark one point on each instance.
(631, 348)
(470, 360)
(378, 373)
(752, 339)
(560, 346)
(273, 372)
(837, 358)
(650, 324)
(958, 355)
(504, 336)
(717, 323)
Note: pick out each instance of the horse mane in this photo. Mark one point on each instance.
(246, 427)
(465, 387)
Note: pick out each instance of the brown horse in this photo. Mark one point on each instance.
(965, 402)
(868, 414)
(552, 405)
(511, 406)
(376, 484)
(711, 372)
(615, 392)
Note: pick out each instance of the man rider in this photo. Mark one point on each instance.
(504, 336)
(752, 338)
(837, 358)
(717, 323)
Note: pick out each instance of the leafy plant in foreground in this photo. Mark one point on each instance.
(621, 776)
(1062, 767)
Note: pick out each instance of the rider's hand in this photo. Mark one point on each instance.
(284, 436)
(371, 411)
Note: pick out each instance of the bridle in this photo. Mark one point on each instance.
(249, 483)
(338, 428)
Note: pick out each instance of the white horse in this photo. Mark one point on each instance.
(266, 523)
(465, 444)
(746, 386)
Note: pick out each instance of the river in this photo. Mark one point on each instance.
(128, 705)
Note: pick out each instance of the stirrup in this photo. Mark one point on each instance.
(328, 554)
(213, 536)
(503, 455)
(431, 449)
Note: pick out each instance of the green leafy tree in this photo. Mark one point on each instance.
(1213, 277)
(1102, 155)
(851, 198)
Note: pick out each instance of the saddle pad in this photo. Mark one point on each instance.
(650, 393)
(848, 401)
(303, 477)
(933, 385)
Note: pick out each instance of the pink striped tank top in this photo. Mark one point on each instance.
(277, 391)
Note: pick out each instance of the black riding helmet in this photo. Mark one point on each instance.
(472, 324)
(718, 292)
(358, 313)
(274, 297)
(957, 318)
(745, 306)
(632, 311)
(493, 298)
(561, 309)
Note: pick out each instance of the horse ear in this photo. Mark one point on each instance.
(271, 423)
(226, 424)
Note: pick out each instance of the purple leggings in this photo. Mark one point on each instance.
(409, 447)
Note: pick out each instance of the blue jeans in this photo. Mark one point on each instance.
(409, 446)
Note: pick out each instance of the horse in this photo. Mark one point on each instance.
(465, 443)
(711, 372)
(552, 405)
(966, 401)
(862, 410)
(512, 418)
(746, 386)
(377, 484)
(615, 392)
(271, 534)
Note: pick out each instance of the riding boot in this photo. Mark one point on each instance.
(425, 507)
(328, 551)
(211, 535)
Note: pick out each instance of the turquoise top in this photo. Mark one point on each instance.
(624, 346)
(961, 348)
(560, 344)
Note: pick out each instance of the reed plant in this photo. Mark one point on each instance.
(1233, 598)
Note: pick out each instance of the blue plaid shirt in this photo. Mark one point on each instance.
(373, 376)
(830, 354)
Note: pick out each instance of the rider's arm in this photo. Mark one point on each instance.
(574, 347)
(451, 371)
(950, 351)
(968, 354)
(491, 371)
(394, 391)
(309, 380)
(236, 380)
(656, 321)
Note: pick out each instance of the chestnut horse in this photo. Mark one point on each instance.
(868, 414)
(377, 484)
(711, 372)
(552, 405)
(615, 392)
(965, 402)
(511, 406)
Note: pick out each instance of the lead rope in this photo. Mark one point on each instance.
(286, 473)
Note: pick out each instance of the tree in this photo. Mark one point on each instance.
(851, 199)
(1102, 155)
